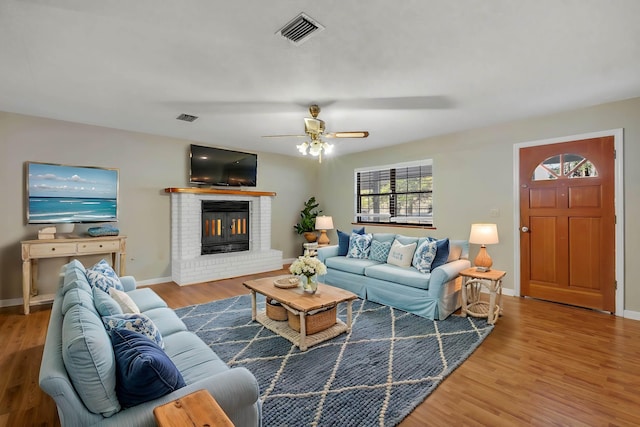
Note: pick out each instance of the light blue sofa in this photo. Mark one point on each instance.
(236, 390)
(432, 295)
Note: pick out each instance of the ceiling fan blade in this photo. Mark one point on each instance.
(350, 134)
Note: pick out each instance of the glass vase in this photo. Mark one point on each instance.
(310, 284)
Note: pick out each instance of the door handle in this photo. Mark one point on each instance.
(525, 229)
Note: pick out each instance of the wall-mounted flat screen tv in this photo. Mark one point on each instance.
(216, 166)
(70, 194)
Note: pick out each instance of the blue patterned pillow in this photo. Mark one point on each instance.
(143, 371)
(103, 267)
(424, 256)
(102, 276)
(379, 251)
(359, 246)
(136, 322)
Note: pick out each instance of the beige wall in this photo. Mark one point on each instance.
(473, 173)
(147, 164)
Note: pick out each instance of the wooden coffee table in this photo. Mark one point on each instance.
(300, 304)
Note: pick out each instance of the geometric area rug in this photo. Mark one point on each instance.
(373, 376)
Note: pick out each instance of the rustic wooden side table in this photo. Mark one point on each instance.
(195, 409)
(472, 283)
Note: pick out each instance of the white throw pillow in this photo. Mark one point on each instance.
(401, 255)
(455, 251)
(124, 301)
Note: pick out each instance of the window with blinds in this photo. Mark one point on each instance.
(400, 194)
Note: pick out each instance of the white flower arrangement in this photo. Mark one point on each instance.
(307, 266)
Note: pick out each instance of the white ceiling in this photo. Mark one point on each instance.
(402, 70)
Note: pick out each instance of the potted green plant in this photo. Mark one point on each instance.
(307, 223)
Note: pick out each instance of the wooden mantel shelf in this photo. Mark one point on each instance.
(218, 191)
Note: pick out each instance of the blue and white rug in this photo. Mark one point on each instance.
(373, 376)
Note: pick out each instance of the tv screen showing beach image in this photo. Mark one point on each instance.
(62, 194)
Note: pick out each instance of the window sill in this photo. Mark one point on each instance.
(394, 225)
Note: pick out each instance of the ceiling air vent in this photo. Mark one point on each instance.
(186, 117)
(300, 29)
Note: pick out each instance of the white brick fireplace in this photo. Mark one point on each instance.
(188, 266)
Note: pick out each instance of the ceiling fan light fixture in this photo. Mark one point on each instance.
(302, 148)
(315, 148)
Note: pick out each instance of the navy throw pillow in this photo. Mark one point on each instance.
(143, 370)
(442, 252)
(343, 240)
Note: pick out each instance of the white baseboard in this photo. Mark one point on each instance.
(633, 315)
(505, 291)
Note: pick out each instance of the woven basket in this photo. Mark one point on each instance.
(315, 322)
(276, 311)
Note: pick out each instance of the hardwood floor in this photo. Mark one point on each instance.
(544, 364)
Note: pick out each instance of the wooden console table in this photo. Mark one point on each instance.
(33, 250)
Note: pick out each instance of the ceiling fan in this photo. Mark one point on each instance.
(314, 128)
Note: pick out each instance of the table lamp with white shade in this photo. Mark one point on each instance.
(324, 223)
(483, 234)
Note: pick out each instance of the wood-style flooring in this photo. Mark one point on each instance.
(544, 364)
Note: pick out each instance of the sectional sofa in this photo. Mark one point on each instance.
(80, 370)
(434, 294)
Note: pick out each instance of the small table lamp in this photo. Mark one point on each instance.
(324, 223)
(483, 234)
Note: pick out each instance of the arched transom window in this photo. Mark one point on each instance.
(564, 166)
